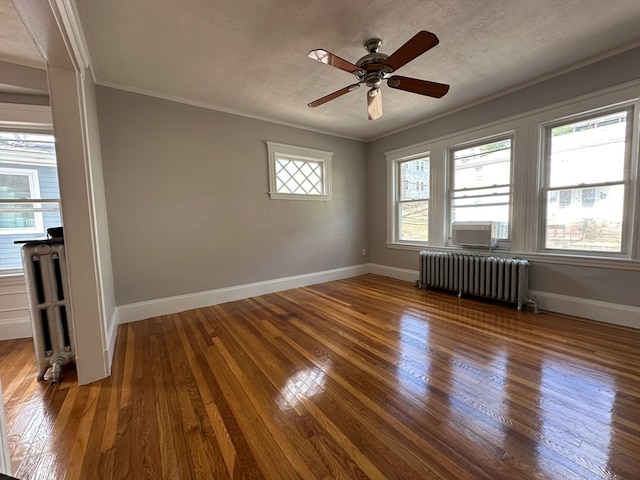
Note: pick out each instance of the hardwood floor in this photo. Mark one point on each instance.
(360, 378)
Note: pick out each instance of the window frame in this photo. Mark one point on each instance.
(399, 202)
(295, 153)
(394, 161)
(38, 127)
(545, 167)
(501, 243)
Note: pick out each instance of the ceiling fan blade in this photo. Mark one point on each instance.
(333, 60)
(333, 95)
(416, 46)
(423, 87)
(374, 103)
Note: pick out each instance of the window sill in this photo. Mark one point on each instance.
(554, 258)
(293, 196)
(11, 277)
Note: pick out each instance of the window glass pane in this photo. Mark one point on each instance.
(414, 179)
(298, 177)
(587, 219)
(491, 213)
(588, 151)
(414, 221)
(14, 185)
(482, 165)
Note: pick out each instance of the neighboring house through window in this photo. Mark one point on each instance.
(413, 200)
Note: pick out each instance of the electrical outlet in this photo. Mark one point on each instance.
(364, 252)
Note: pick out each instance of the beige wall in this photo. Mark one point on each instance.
(601, 284)
(187, 200)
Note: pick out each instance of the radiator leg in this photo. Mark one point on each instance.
(41, 372)
(459, 294)
(56, 368)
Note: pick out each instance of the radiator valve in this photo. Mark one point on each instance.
(532, 304)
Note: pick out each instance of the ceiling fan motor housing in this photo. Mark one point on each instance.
(372, 64)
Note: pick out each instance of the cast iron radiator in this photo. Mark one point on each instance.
(45, 271)
(499, 278)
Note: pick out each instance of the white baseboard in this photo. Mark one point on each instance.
(624, 315)
(394, 272)
(16, 328)
(164, 306)
(616, 314)
(112, 335)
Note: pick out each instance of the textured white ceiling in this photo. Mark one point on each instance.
(250, 56)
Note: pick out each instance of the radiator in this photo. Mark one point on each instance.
(499, 278)
(45, 271)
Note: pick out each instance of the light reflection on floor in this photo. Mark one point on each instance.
(413, 378)
(303, 385)
(561, 413)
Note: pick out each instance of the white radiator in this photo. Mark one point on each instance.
(45, 270)
(504, 279)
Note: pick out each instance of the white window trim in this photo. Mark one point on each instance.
(34, 191)
(527, 175)
(632, 109)
(281, 150)
(394, 159)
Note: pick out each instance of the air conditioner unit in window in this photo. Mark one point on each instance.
(473, 234)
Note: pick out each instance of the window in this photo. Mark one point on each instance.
(587, 163)
(560, 183)
(481, 184)
(412, 205)
(298, 172)
(29, 194)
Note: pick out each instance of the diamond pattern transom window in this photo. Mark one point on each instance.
(298, 177)
(299, 173)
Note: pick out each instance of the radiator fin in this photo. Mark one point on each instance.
(499, 278)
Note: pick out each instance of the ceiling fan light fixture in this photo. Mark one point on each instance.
(374, 103)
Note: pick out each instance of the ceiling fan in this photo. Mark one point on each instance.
(375, 67)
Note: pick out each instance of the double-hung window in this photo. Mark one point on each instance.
(480, 187)
(29, 194)
(412, 200)
(586, 182)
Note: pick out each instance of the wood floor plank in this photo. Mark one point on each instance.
(362, 378)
